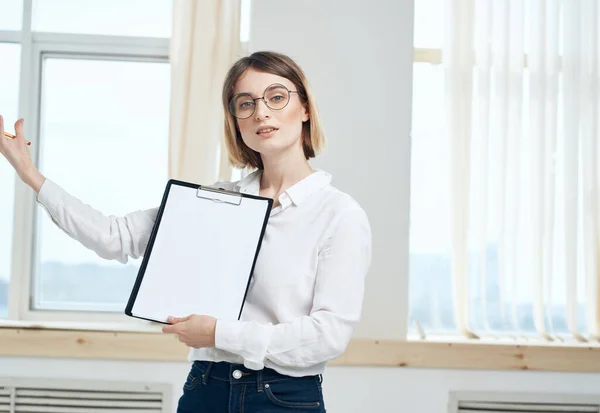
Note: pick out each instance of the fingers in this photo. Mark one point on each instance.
(19, 132)
(171, 329)
(177, 324)
(175, 320)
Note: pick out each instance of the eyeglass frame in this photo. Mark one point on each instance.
(259, 98)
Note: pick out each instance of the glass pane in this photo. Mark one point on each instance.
(150, 18)
(431, 301)
(11, 14)
(9, 96)
(104, 131)
(429, 24)
(245, 21)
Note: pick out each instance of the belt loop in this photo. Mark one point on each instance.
(207, 372)
(259, 381)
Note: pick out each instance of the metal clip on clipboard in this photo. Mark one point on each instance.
(219, 195)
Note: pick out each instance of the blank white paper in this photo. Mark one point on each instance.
(202, 256)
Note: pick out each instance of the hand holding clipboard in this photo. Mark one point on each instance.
(188, 266)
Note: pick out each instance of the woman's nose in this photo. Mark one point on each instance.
(262, 111)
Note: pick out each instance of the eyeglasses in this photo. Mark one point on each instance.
(276, 97)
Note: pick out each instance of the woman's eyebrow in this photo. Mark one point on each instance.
(243, 93)
(263, 90)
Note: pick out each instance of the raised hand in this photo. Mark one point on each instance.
(17, 153)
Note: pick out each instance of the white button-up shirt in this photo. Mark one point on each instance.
(305, 295)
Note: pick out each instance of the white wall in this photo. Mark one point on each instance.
(358, 57)
(346, 389)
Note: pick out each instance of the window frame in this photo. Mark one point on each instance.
(423, 55)
(36, 46)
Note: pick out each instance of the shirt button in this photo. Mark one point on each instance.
(237, 374)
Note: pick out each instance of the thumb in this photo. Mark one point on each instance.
(19, 128)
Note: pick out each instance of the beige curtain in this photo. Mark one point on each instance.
(458, 60)
(205, 43)
(524, 134)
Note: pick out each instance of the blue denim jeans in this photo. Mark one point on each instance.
(231, 388)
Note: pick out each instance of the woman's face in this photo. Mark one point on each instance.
(269, 131)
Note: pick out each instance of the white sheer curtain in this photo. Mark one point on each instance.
(204, 44)
(522, 87)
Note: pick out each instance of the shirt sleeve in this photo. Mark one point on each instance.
(111, 237)
(325, 333)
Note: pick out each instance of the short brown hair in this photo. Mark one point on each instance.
(313, 139)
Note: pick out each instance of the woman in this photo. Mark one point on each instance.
(306, 293)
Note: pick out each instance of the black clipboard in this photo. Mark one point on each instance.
(183, 271)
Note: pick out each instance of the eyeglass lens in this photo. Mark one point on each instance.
(276, 97)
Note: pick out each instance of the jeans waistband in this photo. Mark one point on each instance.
(238, 374)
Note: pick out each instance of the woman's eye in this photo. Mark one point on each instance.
(246, 105)
(277, 98)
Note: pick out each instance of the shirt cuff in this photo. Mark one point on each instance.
(46, 192)
(226, 335)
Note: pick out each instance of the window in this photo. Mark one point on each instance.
(90, 81)
(98, 115)
(147, 18)
(431, 305)
(93, 85)
(12, 14)
(429, 24)
(504, 208)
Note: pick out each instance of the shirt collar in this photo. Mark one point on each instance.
(297, 192)
(250, 184)
(308, 186)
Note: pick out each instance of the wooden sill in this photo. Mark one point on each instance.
(81, 344)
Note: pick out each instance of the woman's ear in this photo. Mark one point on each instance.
(305, 114)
